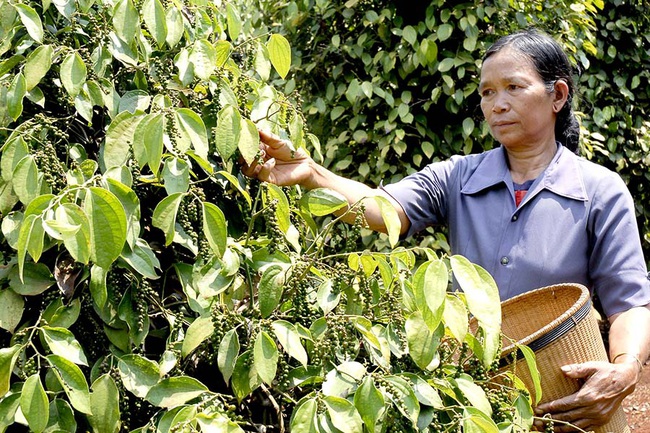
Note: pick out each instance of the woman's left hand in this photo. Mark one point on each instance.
(604, 388)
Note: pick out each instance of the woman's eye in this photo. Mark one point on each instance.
(487, 92)
(513, 87)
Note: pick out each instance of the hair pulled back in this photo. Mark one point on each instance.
(552, 64)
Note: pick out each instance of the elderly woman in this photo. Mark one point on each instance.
(531, 212)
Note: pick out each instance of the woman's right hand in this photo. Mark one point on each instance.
(280, 164)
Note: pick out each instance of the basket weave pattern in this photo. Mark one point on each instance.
(539, 314)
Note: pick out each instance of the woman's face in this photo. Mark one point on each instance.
(517, 106)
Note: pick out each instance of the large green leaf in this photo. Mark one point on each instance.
(35, 279)
(265, 357)
(215, 228)
(14, 150)
(343, 414)
(148, 141)
(303, 418)
(30, 240)
(73, 227)
(422, 342)
(126, 20)
(31, 20)
(289, 339)
(531, 363)
(63, 343)
(474, 393)
(249, 141)
(75, 385)
(37, 64)
(107, 226)
(204, 58)
(429, 286)
(138, 374)
(153, 13)
(12, 306)
(279, 53)
(270, 288)
(323, 201)
(176, 176)
(8, 357)
(228, 354)
(105, 405)
(34, 404)
(192, 124)
(233, 20)
(175, 27)
(476, 421)
(174, 391)
(25, 180)
(142, 259)
(481, 291)
(391, 219)
(61, 417)
(73, 73)
(119, 135)
(164, 215)
(228, 130)
(369, 402)
(15, 94)
(198, 331)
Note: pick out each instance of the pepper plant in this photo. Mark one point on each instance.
(147, 286)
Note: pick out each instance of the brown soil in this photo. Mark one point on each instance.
(637, 405)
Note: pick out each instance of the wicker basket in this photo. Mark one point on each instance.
(557, 323)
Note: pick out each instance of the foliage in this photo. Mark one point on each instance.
(390, 86)
(147, 286)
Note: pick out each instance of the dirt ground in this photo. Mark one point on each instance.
(637, 405)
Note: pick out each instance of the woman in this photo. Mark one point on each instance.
(531, 212)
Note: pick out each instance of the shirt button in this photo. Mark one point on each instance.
(515, 217)
(505, 260)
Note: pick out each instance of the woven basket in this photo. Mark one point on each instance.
(557, 323)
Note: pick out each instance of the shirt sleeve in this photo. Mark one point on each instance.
(424, 195)
(617, 265)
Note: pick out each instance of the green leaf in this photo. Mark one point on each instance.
(105, 405)
(223, 49)
(343, 414)
(30, 239)
(474, 393)
(235, 183)
(12, 307)
(8, 357)
(63, 316)
(126, 20)
(481, 291)
(327, 297)
(34, 404)
(468, 126)
(444, 32)
(475, 421)
(455, 316)
(217, 423)
(531, 363)
(203, 56)
(422, 342)
(31, 21)
(107, 226)
(228, 130)
(73, 227)
(289, 339)
(142, 259)
(410, 35)
(369, 402)
(134, 101)
(265, 357)
(73, 73)
(270, 288)
(176, 176)
(192, 124)
(280, 54)
(164, 215)
(154, 17)
(36, 278)
(175, 26)
(228, 354)
(148, 141)
(8, 407)
(63, 343)
(138, 374)
(215, 228)
(198, 331)
(249, 141)
(323, 201)
(15, 94)
(405, 394)
(175, 391)
(233, 20)
(38, 63)
(13, 152)
(391, 219)
(303, 418)
(25, 180)
(119, 137)
(430, 286)
(61, 417)
(73, 381)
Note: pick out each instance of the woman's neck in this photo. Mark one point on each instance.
(528, 164)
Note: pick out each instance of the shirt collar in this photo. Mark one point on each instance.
(562, 176)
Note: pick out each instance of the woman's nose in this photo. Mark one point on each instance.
(500, 103)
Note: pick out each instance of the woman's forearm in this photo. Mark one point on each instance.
(629, 336)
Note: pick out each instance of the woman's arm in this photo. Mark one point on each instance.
(283, 165)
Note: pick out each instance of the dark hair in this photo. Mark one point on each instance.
(552, 64)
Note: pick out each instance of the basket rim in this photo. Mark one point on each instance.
(557, 322)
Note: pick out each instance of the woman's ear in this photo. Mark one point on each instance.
(561, 94)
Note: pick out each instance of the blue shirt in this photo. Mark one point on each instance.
(576, 224)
